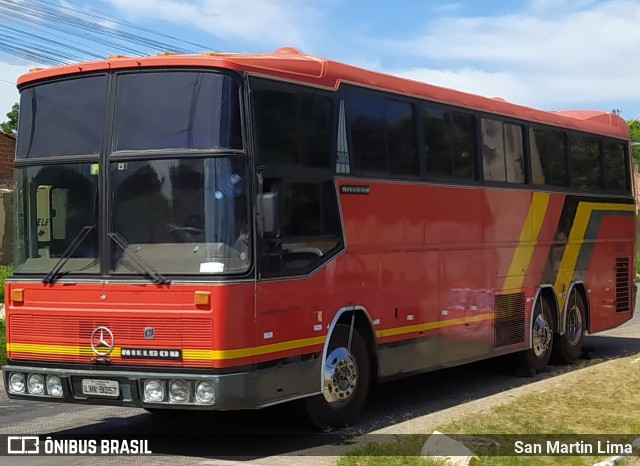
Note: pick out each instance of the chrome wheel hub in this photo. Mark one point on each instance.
(340, 375)
(542, 335)
(574, 325)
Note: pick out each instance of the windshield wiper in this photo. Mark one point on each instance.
(149, 270)
(73, 247)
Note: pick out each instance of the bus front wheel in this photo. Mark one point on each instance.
(537, 357)
(568, 347)
(346, 378)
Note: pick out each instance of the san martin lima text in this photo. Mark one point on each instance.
(556, 447)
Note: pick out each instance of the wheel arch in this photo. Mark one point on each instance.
(547, 292)
(363, 323)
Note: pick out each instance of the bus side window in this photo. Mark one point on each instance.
(548, 150)
(586, 171)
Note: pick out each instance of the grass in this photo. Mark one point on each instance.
(601, 399)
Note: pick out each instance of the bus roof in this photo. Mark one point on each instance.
(289, 64)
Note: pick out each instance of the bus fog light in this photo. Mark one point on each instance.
(178, 390)
(205, 392)
(153, 390)
(35, 383)
(54, 386)
(16, 382)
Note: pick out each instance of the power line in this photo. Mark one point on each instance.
(46, 32)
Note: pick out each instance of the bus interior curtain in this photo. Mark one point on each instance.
(218, 202)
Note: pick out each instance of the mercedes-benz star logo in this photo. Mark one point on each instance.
(102, 341)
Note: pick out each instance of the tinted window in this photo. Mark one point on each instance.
(187, 215)
(401, 127)
(366, 123)
(181, 110)
(502, 151)
(56, 205)
(62, 118)
(615, 167)
(382, 134)
(293, 128)
(310, 226)
(450, 143)
(548, 157)
(586, 172)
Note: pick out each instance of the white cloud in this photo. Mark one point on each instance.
(534, 57)
(276, 22)
(609, 31)
(539, 90)
(499, 84)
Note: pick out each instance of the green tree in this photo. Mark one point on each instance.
(634, 135)
(11, 126)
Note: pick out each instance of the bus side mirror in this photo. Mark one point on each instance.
(267, 215)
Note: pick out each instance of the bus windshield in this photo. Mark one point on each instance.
(181, 215)
(176, 200)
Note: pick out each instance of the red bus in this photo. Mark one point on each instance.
(232, 231)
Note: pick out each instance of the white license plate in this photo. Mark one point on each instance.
(94, 387)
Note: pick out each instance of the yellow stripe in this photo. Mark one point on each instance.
(40, 348)
(188, 354)
(256, 351)
(576, 239)
(432, 325)
(528, 240)
(200, 354)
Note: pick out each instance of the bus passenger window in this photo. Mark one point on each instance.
(586, 172)
(502, 151)
(615, 168)
(383, 135)
(450, 142)
(548, 157)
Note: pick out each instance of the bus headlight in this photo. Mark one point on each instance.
(54, 385)
(205, 392)
(153, 390)
(35, 382)
(178, 390)
(16, 382)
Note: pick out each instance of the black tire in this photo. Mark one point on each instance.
(567, 348)
(537, 357)
(347, 379)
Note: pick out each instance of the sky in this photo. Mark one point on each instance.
(548, 54)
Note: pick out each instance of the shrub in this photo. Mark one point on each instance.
(3, 343)
(5, 271)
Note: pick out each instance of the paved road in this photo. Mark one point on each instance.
(262, 437)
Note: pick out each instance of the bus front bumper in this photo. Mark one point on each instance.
(244, 390)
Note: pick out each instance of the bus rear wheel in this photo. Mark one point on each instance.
(346, 379)
(537, 357)
(568, 347)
